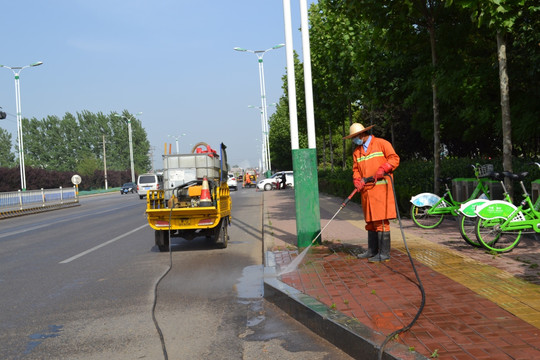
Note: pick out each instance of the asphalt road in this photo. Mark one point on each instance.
(79, 283)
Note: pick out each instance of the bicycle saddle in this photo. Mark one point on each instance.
(519, 177)
(446, 180)
(496, 176)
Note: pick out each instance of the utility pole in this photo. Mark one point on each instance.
(151, 154)
(105, 163)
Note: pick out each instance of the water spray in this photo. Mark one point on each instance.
(294, 264)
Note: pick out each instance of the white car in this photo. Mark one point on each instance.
(147, 182)
(272, 182)
(232, 182)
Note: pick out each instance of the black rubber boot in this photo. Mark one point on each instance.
(373, 246)
(384, 247)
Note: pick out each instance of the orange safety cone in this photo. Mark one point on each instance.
(205, 194)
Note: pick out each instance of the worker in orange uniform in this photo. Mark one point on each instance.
(374, 157)
(248, 180)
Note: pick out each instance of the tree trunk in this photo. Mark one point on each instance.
(436, 121)
(392, 135)
(344, 160)
(349, 110)
(331, 148)
(324, 150)
(505, 109)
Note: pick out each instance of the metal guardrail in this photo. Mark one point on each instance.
(19, 202)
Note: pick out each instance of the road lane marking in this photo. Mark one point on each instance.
(55, 222)
(102, 245)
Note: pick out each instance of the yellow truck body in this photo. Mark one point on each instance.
(177, 211)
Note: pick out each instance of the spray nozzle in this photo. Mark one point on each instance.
(369, 179)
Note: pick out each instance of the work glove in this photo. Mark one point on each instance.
(383, 169)
(359, 183)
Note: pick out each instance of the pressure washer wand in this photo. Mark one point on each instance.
(343, 204)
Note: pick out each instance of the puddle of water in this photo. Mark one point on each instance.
(256, 313)
(250, 285)
(37, 338)
(250, 289)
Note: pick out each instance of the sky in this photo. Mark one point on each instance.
(172, 60)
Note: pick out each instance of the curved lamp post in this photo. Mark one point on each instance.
(16, 71)
(265, 156)
(260, 54)
(176, 138)
(129, 118)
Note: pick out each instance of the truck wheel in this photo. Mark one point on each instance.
(222, 235)
(162, 240)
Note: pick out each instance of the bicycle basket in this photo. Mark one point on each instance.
(485, 170)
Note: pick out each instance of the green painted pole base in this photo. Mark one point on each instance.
(306, 195)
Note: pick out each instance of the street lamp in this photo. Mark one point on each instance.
(16, 71)
(176, 138)
(129, 118)
(265, 141)
(260, 54)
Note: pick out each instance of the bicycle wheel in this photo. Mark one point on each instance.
(420, 216)
(467, 229)
(493, 238)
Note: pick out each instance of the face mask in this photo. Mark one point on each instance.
(357, 141)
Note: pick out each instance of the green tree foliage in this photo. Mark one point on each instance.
(505, 17)
(7, 159)
(372, 62)
(75, 142)
(87, 166)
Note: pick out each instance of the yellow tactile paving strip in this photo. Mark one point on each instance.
(518, 297)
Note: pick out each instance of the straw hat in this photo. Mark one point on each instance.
(356, 129)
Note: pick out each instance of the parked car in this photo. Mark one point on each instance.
(232, 182)
(272, 182)
(147, 182)
(128, 187)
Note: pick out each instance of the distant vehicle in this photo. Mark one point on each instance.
(147, 182)
(128, 187)
(252, 174)
(272, 182)
(232, 182)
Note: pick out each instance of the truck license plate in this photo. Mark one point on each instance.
(184, 222)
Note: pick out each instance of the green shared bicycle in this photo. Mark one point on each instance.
(467, 210)
(500, 224)
(428, 210)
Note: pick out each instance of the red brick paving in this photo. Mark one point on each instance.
(456, 323)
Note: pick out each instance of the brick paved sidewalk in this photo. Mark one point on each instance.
(478, 306)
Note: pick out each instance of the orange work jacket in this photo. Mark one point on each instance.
(377, 199)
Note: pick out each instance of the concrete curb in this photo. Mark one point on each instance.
(34, 210)
(348, 334)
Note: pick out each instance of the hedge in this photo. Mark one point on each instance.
(415, 176)
(49, 179)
